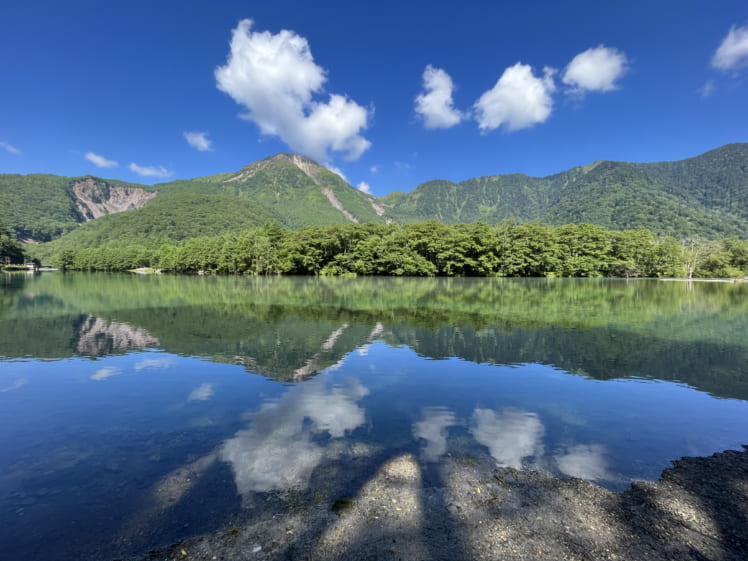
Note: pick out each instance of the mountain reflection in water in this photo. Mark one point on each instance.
(139, 410)
(289, 329)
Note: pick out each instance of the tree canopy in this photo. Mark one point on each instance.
(425, 249)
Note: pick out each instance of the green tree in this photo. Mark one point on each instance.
(11, 252)
(585, 250)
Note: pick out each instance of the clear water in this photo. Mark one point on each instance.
(138, 410)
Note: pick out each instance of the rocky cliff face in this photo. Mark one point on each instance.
(100, 337)
(95, 198)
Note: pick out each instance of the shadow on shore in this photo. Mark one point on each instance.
(398, 507)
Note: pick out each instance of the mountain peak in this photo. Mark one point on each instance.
(294, 158)
(308, 166)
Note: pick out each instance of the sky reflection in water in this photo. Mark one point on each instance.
(128, 420)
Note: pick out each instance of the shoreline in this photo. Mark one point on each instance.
(698, 509)
(705, 279)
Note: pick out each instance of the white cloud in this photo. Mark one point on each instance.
(9, 148)
(199, 141)
(100, 161)
(364, 187)
(517, 101)
(707, 89)
(435, 104)
(733, 51)
(274, 76)
(595, 70)
(150, 171)
(374, 169)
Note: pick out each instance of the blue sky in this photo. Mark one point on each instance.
(392, 94)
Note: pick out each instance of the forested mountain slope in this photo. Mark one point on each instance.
(42, 207)
(704, 196)
(297, 189)
(717, 179)
(167, 219)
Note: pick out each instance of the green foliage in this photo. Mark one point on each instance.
(290, 187)
(11, 251)
(424, 249)
(165, 220)
(714, 180)
(705, 196)
(726, 259)
(43, 207)
(702, 197)
(37, 206)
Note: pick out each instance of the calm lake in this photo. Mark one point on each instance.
(137, 410)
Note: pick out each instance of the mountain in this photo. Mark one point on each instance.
(702, 196)
(43, 207)
(170, 218)
(288, 188)
(706, 195)
(296, 188)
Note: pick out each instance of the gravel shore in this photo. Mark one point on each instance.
(697, 510)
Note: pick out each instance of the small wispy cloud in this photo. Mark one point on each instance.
(199, 141)
(733, 51)
(707, 89)
(100, 161)
(374, 169)
(364, 187)
(9, 148)
(151, 171)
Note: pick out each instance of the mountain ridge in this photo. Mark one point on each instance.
(705, 195)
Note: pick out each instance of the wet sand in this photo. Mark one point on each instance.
(697, 510)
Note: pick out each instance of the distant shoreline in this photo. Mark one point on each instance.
(729, 281)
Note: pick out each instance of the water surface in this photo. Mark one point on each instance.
(138, 410)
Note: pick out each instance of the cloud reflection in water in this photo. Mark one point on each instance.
(510, 436)
(15, 385)
(106, 372)
(433, 429)
(584, 460)
(201, 393)
(277, 450)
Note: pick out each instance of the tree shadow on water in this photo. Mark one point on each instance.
(366, 508)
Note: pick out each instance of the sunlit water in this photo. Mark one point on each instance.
(138, 410)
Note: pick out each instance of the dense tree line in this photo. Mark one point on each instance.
(11, 251)
(428, 249)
